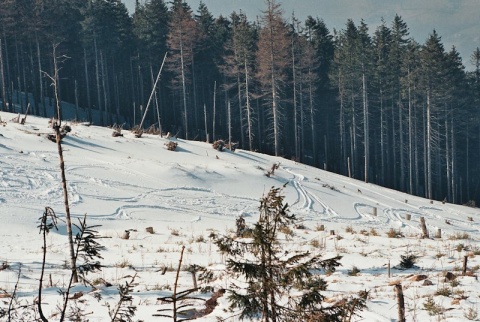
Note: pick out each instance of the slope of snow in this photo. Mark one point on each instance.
(128, 183)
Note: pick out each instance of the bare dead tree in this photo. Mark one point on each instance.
(57, 128)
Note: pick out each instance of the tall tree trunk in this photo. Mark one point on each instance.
(76, 101)
(401, 147)
(205, 119)
(184, 91)
(103, 66)
(353, 139)
(33, 82)
(194, 88)
(2, 79)
(416, 156)
(447, 158)
(410, 138)
(97, 75)
(365, 126)
(87, 87)
(453, 160)
(429, 147)
(214, 110)
(229, 123)
(276, 117)
(248, 107)
(302, 123)
(240, 107)
(295, 108)
(394, 146)
(382, 139)
(19, 84)
(343, 143)
(312, 118)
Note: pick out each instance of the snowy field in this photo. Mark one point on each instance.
(128, 183)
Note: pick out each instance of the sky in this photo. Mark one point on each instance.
(456, 21)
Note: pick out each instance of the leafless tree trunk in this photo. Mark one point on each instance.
(87, 85)
(229, 114)
(56, 127)
(429, 148)
(2, 78)
(214, 109)
(365, 126)
(248, 108)
(97, 75)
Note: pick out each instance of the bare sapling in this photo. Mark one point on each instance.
(181, 310)
(45, 227)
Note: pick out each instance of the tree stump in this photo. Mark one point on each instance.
(424, 227)
(400, 303)
(464, 269)
(408, 216)
(375, 211)
(149, 230)
(439, 233)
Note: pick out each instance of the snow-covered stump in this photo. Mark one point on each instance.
(126, 235)
(408, 216)
(439, 233)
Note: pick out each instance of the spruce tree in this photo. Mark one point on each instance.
(273, 283)
(433, 60)
(273, 58)
(181, 42)
(238, 68)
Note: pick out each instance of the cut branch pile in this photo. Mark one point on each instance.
(171, 145)
(219, 145)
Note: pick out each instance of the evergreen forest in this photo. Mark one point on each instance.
(375, 105)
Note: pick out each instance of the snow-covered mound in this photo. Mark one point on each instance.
(128, 183)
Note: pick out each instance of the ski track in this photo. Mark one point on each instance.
(308, 199)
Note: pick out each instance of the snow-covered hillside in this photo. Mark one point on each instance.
(129, 183)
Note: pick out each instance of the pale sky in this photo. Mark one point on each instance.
(456, 21)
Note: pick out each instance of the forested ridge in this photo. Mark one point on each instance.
(375, 105)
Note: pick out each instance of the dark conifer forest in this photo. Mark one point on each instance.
(375, 105)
